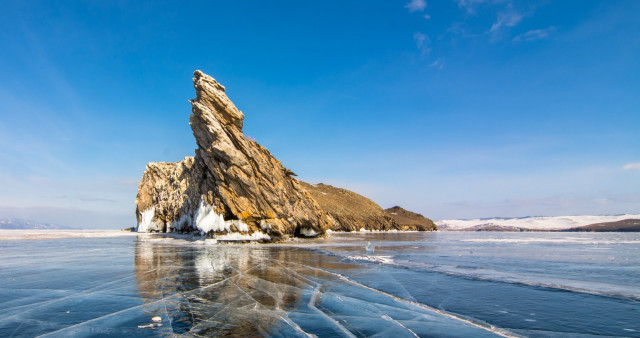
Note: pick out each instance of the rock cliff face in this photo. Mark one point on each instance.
(233, 186)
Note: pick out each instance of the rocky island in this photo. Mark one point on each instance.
(233, 188)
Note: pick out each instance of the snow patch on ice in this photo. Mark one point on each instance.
(375, 259)
(146, 220)
(234, 236)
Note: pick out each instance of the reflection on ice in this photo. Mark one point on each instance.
(264, 290)
(410, 285)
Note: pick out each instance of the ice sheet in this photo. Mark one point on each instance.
(411, 284)
(201, 290)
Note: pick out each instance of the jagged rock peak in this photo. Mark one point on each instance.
(211, 94)
(233, 184)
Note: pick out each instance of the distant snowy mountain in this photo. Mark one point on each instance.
(16, 223)
(530, 223)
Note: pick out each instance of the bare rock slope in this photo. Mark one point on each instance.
(232, 185)
(409, 220)
(349, 211)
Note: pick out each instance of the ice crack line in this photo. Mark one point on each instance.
(385, 317)
(312, 305)
(133, 307)
(491, 328)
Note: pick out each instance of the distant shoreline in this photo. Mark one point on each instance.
(31, 234)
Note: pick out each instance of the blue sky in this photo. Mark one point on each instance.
(454, 109)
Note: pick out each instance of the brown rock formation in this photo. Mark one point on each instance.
(349, 211)
(232, 184)
(410, 220)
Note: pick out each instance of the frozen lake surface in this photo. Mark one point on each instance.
(361, 284)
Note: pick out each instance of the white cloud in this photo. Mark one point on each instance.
(504, 21)
(427, 16)
(535, 34)
(422, 42)
(416, 5)
(631, 166)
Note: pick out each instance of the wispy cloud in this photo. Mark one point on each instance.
(96, 199)
(422, 42)
(631, 166)
(427, 16)
(84, 198)
(469, 5)
(438, 63)
(535, 34)
(505, 20)
(416, 5)
(459, 29)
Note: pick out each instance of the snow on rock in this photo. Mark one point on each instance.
(308, 232)
(146, 220)
(207, 219)
(534, 223)
(184, 222)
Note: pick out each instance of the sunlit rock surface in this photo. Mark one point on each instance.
(231, 185)
(410, 220)
(349, 211)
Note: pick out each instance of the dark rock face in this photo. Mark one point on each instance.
(232, 185)
(410, 220)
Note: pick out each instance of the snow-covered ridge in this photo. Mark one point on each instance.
(534, 222)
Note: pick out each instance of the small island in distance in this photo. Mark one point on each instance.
(23, 224)
(584, 223)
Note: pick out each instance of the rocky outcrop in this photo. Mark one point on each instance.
(410, 220)
(349, 211)
(232, 185)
